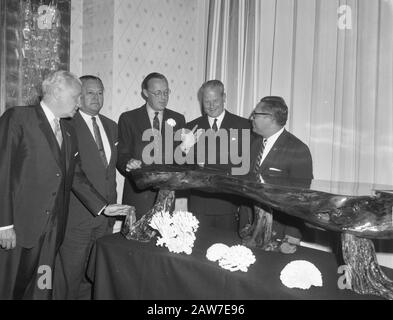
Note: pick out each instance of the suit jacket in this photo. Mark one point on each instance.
(206, 203)
(37, 177)
(289, 161)
(103, 179)
(132, 125)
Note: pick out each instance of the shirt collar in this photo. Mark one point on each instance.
(151, 112)
(273, 138)
(219, 119)
(48, 112)
(88, 117)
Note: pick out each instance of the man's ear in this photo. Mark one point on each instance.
(56, 93)
(144, 94)
(224, 97)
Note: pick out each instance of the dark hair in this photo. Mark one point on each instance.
(277, 106)
(90, 77)
(213, 84)
(153, 75)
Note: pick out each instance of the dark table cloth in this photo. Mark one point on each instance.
(123, 269)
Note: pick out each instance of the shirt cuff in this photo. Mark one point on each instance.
(6, 227)
(102, 210)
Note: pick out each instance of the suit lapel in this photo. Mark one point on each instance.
(226, 121)
(49, 135)
(144, 121)
(277, 148)
(66, 144)
(111, 138)
(204, 123)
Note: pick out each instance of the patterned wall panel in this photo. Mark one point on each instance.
(162, 36)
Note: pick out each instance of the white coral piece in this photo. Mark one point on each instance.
(177, 231)
(301, 274)
(233, 258)
(216, 251)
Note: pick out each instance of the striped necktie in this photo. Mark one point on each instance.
(156, 122)
(98, 138)
(259, 159)
(57, 131)
(215, 127)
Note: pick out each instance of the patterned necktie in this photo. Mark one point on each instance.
(98, 138)
(156, 122)
(214, 127)
(57, 131)
(259, 159)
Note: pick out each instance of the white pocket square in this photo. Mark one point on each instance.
(234, 139)
(275, 169)
(116, 143)
(76, 154)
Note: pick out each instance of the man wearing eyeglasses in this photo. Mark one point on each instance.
(277, 156)
(132, 124)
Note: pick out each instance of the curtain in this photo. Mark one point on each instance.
(337, 81)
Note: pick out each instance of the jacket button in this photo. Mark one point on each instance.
(54, 194)
(47, 212)
(57, 174)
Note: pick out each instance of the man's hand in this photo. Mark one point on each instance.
(113, 210)
(133, 164)
(8, 239)
(189, 138)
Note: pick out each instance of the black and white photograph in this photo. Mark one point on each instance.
(196, 155)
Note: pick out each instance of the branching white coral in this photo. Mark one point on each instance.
(301, 274)
(177, 231)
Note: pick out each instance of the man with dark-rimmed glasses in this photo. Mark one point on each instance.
(277, 156)
(132, 125)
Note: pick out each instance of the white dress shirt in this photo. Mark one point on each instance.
(105, 140)
(219, 120)
(270, 143)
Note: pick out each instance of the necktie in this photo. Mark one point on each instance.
(259, 159)
(215, 128)
(98, 138)
(57, 131)
(156, 122)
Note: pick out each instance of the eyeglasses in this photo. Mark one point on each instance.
(159, 93)
(254, 114)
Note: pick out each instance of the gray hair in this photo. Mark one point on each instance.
(57, 79)
(212, 84)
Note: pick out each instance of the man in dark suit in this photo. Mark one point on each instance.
(132, 125)
(279, 157)
(218, 210)
(97, 140)
(39, 165)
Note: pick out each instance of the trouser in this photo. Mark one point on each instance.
(71, 263)
(28, 273)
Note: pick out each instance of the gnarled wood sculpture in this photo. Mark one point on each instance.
(356, 217)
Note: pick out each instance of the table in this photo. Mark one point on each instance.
(123, 269)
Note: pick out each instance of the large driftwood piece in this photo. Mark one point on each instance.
(356, 217)
(366, 275)
(141, 230)
(363, 216)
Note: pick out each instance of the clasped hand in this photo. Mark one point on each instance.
(8, 239)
